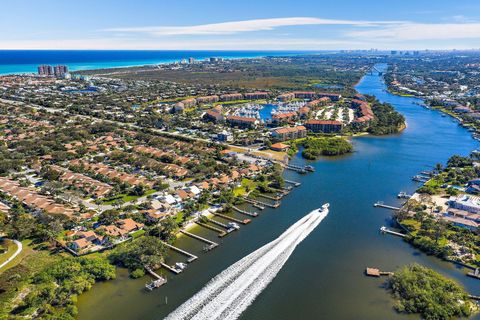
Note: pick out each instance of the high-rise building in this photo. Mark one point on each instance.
(191, 60)
(45, 70)
(60, 71)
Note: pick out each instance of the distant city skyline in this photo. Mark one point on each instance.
(241, 25)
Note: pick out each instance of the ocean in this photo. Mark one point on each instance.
(26, 61)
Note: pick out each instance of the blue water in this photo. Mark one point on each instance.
(26, 61)
(266, 111)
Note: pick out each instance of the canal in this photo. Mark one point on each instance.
(323, 279)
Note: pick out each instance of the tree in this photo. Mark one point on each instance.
(142, 252)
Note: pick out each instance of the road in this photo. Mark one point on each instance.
(19, 249)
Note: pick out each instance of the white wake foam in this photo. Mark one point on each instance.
(228, 294)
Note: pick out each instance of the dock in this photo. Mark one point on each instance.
(295, 183)
(211, 244)
(276, 198)
(474, 274)
(174, 270)
(386, 230)
(244, 221)
(471, 296)
(254, 202)
(221, 233)
(380, 204)
(374, 272)
(251, 214)
(158, 282)
(295, 168)
(191, 257)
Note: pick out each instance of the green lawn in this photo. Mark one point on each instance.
(10, 247)
(247, 185)
(126, 197)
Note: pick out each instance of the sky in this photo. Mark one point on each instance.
(240, 24)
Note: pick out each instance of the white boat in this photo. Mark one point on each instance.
(234, 225)
(180, 266)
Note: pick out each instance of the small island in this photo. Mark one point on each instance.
(420, 290)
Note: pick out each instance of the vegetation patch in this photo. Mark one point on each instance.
(420, 290)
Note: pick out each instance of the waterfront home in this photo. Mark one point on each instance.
(462, 218)
(467, 203)
(325, 126)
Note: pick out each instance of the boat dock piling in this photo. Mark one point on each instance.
(251, 214)
(386, 230)
(380, 204)
(295, 183)
(191, 257)
(221, 233)
(209, 242)
(244, 221)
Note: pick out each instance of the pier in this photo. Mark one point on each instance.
(174, 270)
(474, 274)
(211, 244)
(158, 282)
(221, 233)
(191, 257)
(374, 272)
(251, 214)
(295, 168)
(254, 202)
(295, 183)
(276, 198)
(380, 204)
(244, 221)
(386, 230)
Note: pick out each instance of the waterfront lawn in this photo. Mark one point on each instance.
(246, 186)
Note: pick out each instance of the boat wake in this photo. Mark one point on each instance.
(228, 294)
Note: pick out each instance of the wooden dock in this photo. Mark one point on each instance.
(295, 168)
(277, 198)
(374, 272)
(244, 221)
(474, 274)
(251, 214)
(386, 230)
(295, 183)
(172, 269)
(221, 233)
(158, 282)
(209, 242)
(380, 204)
(191, 257)
(254, 202)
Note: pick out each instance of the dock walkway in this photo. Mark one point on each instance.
(244, 221)
(221, 233)
(295, 183)
(380, 204)
(209, 242)
(191, 257)
(172, 269)
(257, 202)
(251, 214)
(386, 230)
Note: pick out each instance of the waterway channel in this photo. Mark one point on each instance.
(323, 279)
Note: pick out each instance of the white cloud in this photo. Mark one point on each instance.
(420, 31)
(233, 27)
